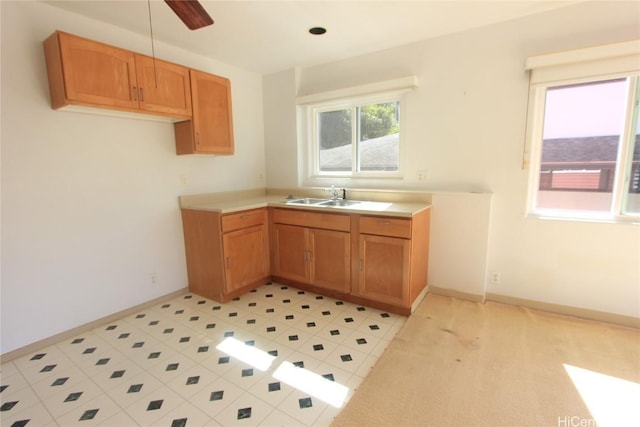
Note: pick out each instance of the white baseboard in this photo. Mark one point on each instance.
(456, 294)
(46, 342)
(600, 316)
(583, 313)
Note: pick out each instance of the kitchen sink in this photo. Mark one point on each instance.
(339, 202)
(322, 202)
(305, 201)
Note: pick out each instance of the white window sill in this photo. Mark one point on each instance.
(627, 220)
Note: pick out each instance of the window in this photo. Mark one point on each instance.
(356, 138)
(353, 133)
(585, 144)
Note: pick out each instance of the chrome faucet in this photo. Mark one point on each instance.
(335, 192)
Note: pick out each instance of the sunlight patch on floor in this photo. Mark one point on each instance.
(304, 380)
(612, 401)
(326, 390)
(250, 355)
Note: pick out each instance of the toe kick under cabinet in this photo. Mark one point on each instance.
(227, 254)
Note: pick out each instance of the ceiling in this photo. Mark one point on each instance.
(269, 36)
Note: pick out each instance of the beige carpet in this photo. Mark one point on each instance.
(459, 363)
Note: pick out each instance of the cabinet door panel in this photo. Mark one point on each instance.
(246, 256)
(163, 87)
(384, 269)
(290, 252)
(97, 74)
(330, 259)
(212, 122)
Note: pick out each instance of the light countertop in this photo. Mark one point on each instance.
(240, 201)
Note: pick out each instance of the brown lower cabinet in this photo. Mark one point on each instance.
(312, 248)
(227, 254)
(393, 256)
(384, 268)
(371, 260)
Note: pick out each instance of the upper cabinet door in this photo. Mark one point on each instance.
(96, 74)
(163, 87)
(212, 120)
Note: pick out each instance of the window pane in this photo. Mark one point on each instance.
(582, 128)
(335, 135)
(378, 137)
(633, 190)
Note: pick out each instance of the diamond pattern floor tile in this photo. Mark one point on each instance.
(161, 366)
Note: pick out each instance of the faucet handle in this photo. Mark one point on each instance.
(333, 191)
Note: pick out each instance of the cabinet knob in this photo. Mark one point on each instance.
(135, 93)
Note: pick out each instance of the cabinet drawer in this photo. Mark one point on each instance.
(385, 226)
(243, 219)
(312, 219)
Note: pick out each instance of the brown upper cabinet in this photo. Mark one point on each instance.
(88, 73)
(163, 87)
(211, 130)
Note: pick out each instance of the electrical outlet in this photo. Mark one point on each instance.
(422, 175)
(495, 277)
(154, 278)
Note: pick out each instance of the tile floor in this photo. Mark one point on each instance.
(161, 366)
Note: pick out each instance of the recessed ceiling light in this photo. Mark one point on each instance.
(317, 30)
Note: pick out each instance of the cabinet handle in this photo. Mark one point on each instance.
(198, 138)
(141, 95)
(360, 263)
(228, 263)
(245, 216)
(384, 222)
(135, 93)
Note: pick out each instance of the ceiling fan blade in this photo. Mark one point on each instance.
(191, 13)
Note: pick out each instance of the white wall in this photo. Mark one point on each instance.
(280, 128)
(90, 202)
(465, 126)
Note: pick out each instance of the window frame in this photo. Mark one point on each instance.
(311, 139)
(535, 140)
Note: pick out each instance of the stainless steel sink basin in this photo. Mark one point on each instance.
(309, 201)
(339, 202)
(304, 201)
